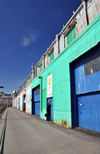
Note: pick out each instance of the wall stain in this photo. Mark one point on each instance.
(90, 1)
(63, 123)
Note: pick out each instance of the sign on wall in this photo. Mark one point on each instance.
(49, 86)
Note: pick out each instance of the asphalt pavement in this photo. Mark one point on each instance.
(26, 134)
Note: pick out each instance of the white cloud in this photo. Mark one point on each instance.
(31, 55)
(29, 37)
(25, 41)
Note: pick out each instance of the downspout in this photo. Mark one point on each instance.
(40, 77)
(33, 71)
(41, 92)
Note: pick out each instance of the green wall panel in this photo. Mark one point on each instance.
(71, 36)
(60, 71)
(41, 68)
(30, 80)
(62, 118)
(43, 105)
(51, 56)
(26, 84)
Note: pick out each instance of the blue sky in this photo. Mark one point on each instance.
(27, 28)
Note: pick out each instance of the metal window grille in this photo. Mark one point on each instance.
(92, 65)
(37, 91)
(51, 56)
(71, 36)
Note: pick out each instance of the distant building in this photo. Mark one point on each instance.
(5, 99)
(2, 94)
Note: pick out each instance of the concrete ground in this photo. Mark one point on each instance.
(26, 134)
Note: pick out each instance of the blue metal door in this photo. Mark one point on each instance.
(89, 111)
(50, 101)
(36, 100)
(37, 108)
(87, 90)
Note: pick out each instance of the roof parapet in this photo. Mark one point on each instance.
(70, 20)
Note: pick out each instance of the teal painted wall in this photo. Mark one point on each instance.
(59, 68)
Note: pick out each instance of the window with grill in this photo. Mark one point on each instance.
(37, 91)
(92, 65)
(26, 84)
(71, 36)
(51, 56)
(30, 80)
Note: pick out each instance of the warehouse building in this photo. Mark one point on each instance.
(67, 75)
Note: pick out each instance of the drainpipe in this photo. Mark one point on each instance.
(40, 77)
(86, 13)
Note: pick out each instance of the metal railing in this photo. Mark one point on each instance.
(2, 136)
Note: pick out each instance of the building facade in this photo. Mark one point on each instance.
(67, 75)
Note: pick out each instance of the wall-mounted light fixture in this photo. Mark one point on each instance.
(39, 77)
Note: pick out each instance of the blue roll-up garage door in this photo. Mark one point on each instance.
(87, 91)
(36, 100)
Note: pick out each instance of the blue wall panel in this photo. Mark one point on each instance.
(37, 108)
(36, 97)
(89, 111)
(87, 91)
(84, 84)
(36, 101)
